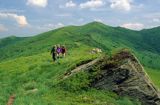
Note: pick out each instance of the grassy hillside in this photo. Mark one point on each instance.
(152, 37)
(26, 68)
(93, 34)
(9, 41)
(34, 80)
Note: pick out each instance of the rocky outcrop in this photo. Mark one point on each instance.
(124, 75)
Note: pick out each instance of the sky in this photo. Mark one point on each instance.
(31, 17)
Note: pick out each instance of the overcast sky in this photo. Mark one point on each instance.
(30, 17)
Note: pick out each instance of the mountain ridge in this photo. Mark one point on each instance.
(91, 23)
(94, 34)
(28, 73)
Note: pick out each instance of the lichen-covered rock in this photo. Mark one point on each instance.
(124, 75)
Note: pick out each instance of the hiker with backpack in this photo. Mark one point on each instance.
(53, 52)
(63, 51)
(58, 51)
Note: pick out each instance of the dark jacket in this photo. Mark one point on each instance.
(53, 50)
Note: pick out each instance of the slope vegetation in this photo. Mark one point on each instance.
(27, 71)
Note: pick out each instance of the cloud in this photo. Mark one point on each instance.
(3, 28)
(63, 15)
(156, 20)
(49, 26)
(98, 20)
(80, 20)
(121, 5)
(153, 17)
(54, 26)
(92, 4)
(20, 19)
(70, 4)
(133, 26)
(12, 10)
(37, 3)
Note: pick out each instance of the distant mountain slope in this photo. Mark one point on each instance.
(9, 40)
(144, 43)
(152, 37)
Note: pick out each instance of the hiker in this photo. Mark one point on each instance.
(63, 51)
(58, 51)
(53, 52)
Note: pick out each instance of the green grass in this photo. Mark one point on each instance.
(27, 70)
(145, 42)
(34, 80)
(154, 75)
